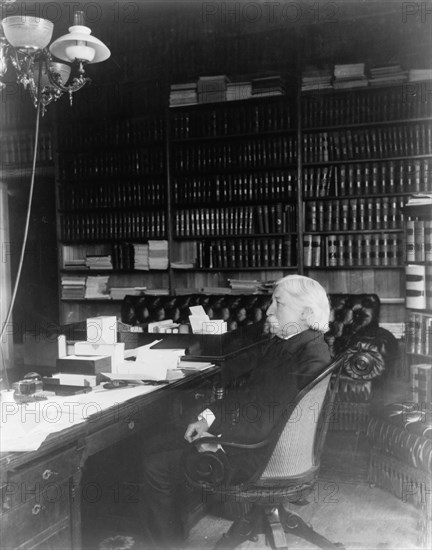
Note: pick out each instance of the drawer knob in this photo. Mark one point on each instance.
(36, 509)
(131, 425)
(48, 473)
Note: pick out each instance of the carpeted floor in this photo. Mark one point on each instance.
(343, 507)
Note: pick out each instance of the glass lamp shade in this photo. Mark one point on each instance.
(60, 68)
(27, 32)
(79, 42)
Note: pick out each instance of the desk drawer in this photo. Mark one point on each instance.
(34, 479)
(37, 519)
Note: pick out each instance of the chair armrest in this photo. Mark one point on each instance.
(370, 353)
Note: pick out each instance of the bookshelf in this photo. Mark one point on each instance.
(234, 188)
(218, 181)
(112, 207)
(365, 152)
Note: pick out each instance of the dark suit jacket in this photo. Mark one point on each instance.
(279, 370)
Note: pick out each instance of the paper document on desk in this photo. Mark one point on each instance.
(151, 364)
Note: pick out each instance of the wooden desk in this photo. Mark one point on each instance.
(41, 496)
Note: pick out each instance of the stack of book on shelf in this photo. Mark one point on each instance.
(245, 286)
(212, 89)
(99, 262)
(421, 383)
(238, 91)
(268, 86)
(349, 76)
(73, 288)
(387, 74)
(158, 254)
(183, 94)
(118, 293)
(122, 256)
(316, 79)
(415, 75)
(97, 288)
(141, 257)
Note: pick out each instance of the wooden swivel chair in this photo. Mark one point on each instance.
(288, 476)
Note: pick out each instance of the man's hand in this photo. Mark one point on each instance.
(208, 447)
(196, 430)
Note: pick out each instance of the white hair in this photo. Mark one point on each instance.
(308, 293)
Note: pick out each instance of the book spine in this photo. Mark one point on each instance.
(415, 277)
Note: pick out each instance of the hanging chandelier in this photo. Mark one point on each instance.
(24, 43)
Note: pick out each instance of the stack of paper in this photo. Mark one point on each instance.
(158, 254)
(146, 363)
(97, 288)
(315, 79)
(99, 262)
(73, 288)
(238, 91)
(387, 74)
(350, 76)
(141, 256)
(245, 286)
(183, 94)
(268, 86)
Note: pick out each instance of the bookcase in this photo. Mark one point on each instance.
(234, 186)
(364, 153)
(311, 182)
(112, 203)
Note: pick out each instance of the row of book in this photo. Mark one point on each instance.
(272, 185)
(113, 194)
(121, 256)
(249, 118)
(421, 382)
(120, 163)
(248, 153)
(418, 283)
(354, 214)
(107, 133)
(217, 88)
(418, 331)
(112, 226)
(365, 143)
(242, 220)
(238, 253)
(406, 436)
(18, 147)
(374, 105)
(364, 250)
(419, 241)
(368, 178)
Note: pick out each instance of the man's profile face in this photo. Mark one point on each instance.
(283, 314)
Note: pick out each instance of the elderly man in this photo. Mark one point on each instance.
(297, 318)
